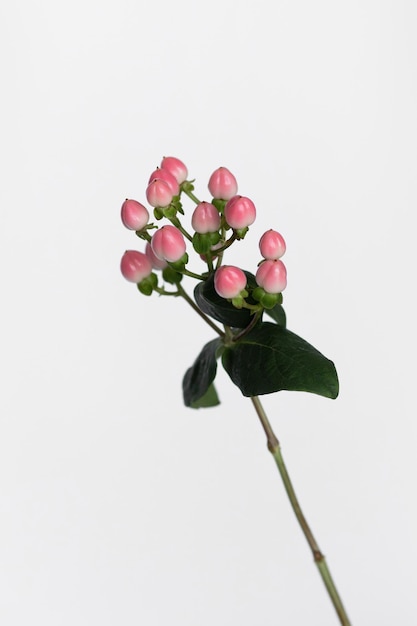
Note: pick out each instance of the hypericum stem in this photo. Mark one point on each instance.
(176, 222)
(275, 450)
(226, 244)
(191, 274)
(249, 327)
(209, 262)
(163, 292)
(184, 294)
(191, 196)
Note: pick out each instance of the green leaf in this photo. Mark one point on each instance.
(209, 399)
(199, 377)
(219, 308)
(271, 358)
(278, 315)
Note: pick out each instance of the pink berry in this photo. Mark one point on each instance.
(272, 245)
(229, 281)
(222, 184)
(175, 167)
(134, 215)
(158, 193)
(168, 244)
(240, 212)
(168, 178)
(272, 276)
(157, 264)
(135, 266)
(206, 218)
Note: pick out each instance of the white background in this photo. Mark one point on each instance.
(118, 504)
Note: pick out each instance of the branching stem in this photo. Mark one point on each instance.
(191, 302)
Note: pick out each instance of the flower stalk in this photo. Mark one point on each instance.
(275, 449)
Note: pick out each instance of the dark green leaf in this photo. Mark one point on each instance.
(220, 309)
(199, 377)
(209, 399)
(278, 315)
(271, 358)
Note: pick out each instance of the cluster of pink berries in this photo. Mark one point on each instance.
(211, 222)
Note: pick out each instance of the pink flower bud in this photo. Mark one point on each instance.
(134, 215)
(157, 264)
(272, 245)
(206, 218)
(168, 244)
(240, 212)
(272, 276)
(175, 167)
(158, 193)
(222, 184)
(168, 178)
(229, 281)
(135, 266)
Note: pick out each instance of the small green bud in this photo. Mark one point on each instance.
(258, 293)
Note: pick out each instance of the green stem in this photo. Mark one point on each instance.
(191, 196)
(163, 292)
(209, 262)
(226, 244)
(248, 328)
(191, 302)
(191, 274)
(176, 222)
(275, 450)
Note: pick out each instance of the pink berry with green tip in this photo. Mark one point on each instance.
(175, 167)
(134, 215)
(168, 244)
(240, 212)
(229, 281)
(222, 184)
(272, 276)
(159, 193)
(135, 266)
(272, 245)
(206, 218)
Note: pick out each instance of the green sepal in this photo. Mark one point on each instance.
(241, 232)
(187, 185)
(271, 358)
(171, 276)
(176, 202)
(148, 284)
(170, 211)
(201, 243)
(200, 376)
(269, 300)
(219, 204)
